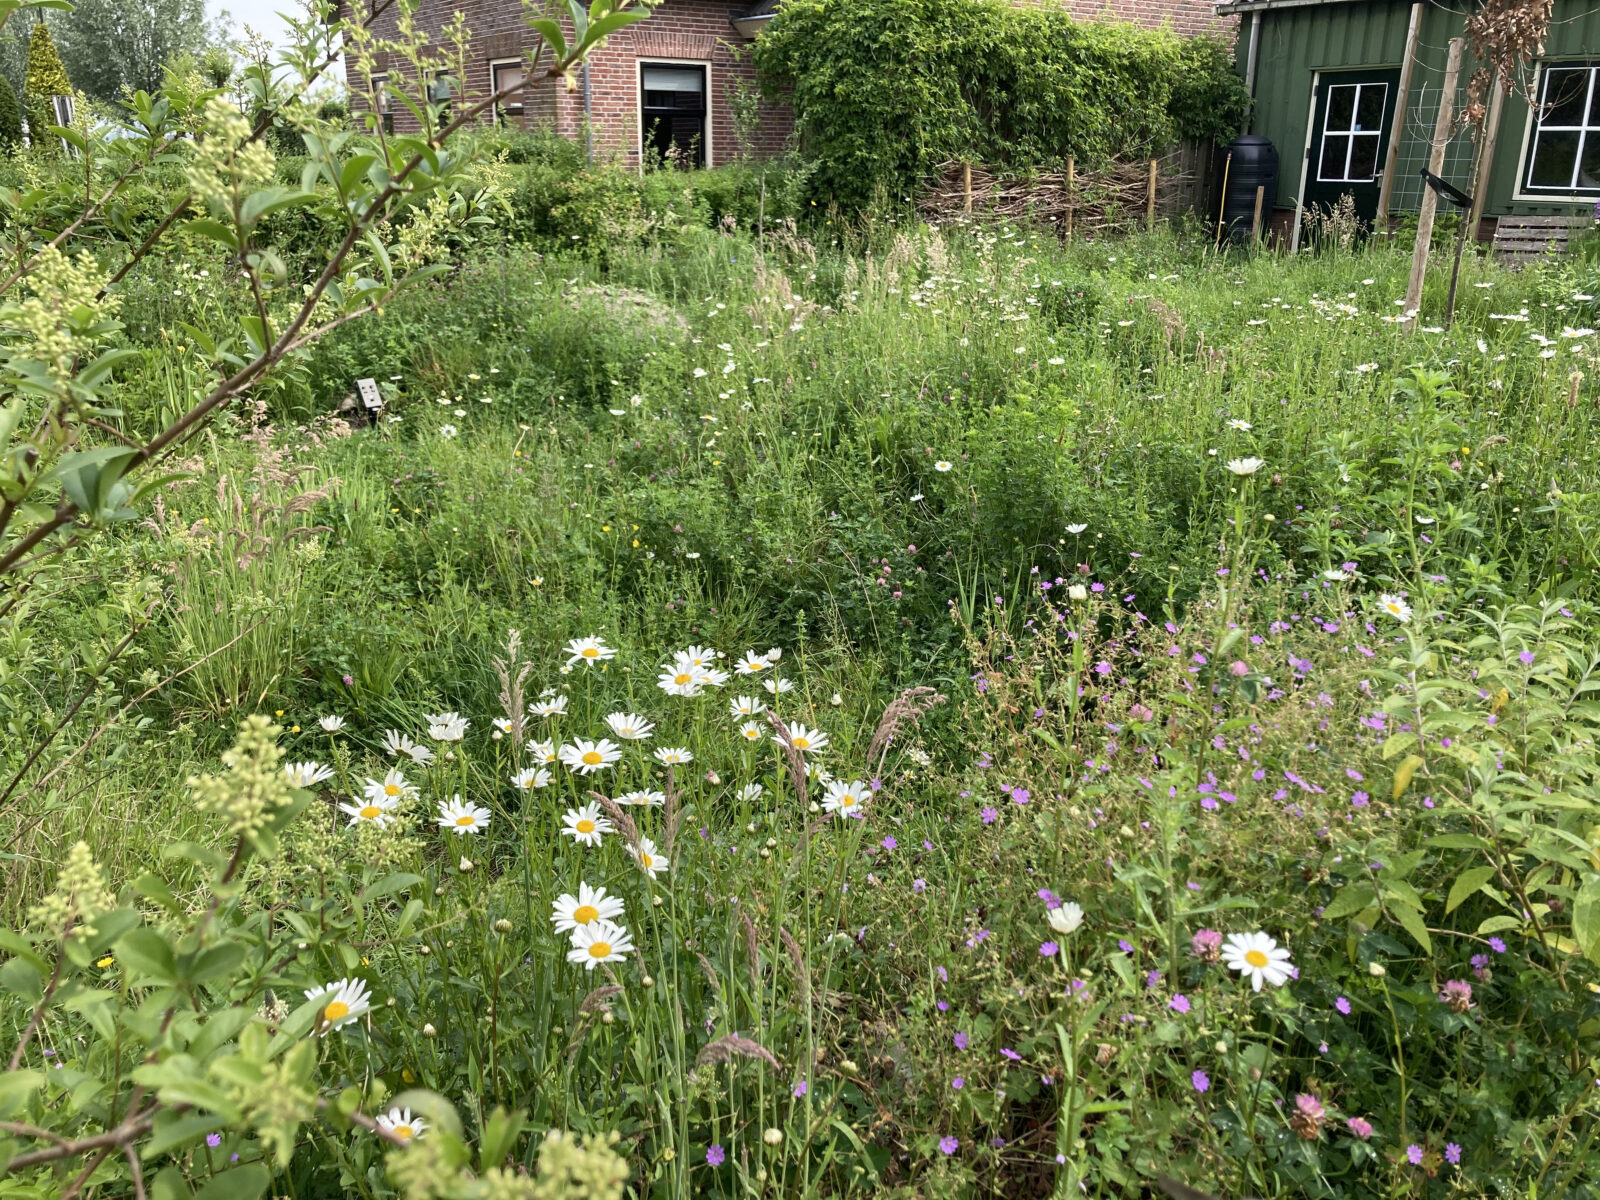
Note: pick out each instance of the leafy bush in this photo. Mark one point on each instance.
(884, 91)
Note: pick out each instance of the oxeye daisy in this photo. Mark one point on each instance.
(695, 656)
(503, 724)
(306, 774)
(630, 727)
(749, 792)
(590, 904)
(1395, 607)
(340, 1003)
(551, 708)
(648, 857)
(544, 752)
(1257, 957)
(529, 778)
(807, 741)
(745, 706)
(673, 756)
(585, 824)
(943, 465)
(679, 681)
(588, 651)
(845, 798)
(396, 743)
(447, 726)
(645, 797)
(751, 731)
(379, 811)
(597, 942)
(751, 664)
(402, 1124)
(777, 687)
(1241, 426)
(462, 818)
(331, 724)
(817, 773)
(587, 757)
(394, 788)
(1065, 918)
(1245, 466)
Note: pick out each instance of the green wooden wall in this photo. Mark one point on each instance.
(1295, 43)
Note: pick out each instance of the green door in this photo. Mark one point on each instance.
(1352, 117)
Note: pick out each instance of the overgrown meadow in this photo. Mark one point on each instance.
(919, 712)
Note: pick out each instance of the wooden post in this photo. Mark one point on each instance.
(1222, 204)
(1150, 199)
(1430, 202)
(1072, 187)
(966, 186)
(1255, 222)
(1402, 94)
(1491, 133)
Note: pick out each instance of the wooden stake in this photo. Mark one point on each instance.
(1072, 187)
(1430, 201)
(1150, 201)
(1491, 132)
(1402, 94)
(966, 186)
(1255, 223)
(1222, 205)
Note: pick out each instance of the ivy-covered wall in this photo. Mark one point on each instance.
(885, 90)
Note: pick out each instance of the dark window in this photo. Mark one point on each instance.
(672, 114)
(505, 75)
(1352, 129)
(380, 93)
(1564, 155)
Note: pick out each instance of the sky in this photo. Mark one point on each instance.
(260, 15)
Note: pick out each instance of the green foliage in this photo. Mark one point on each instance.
(885, 91)
(107, 46)
(10, 118)
(47, 76)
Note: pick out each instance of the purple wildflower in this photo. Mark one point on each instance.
(1360, 1126)
(1201, 1081)
(948, 1145)
(715, 1155)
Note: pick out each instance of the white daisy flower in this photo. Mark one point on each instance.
(529, 778)
(680, 681)
(751, 664)
(1258, 957)
(942, 465)
(646, 797)
(817, 773)
(585, 824)
(597, 942)
(648, 857)
(378, 810)
(341, 1002)
(751, 731)
(749, 792)
(394, 788)
(673, 756)
(544, 752)
(554, 707)
(1335, 575)
(1242, 426)
(462, 818)
(845, 798)
(589, 905)
(807, 741)
(447, 432)
(711, 677)
(774, 654)
(503, 724)
(586, 757)
(331, 724)
(588, 651)
(778, 687)
(1245, 466)
(402, 1124)
(1066, 917)
(447, 727)
(1075, 530)
(306, 774)
(745, 706)
(695, 656)
(396, 743)
(630, 727)
(1395, 607)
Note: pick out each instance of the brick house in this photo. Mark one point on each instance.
(669, 86)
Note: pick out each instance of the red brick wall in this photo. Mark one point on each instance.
(678, 30)
(1188, 17)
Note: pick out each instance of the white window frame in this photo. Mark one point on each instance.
(507, 108)
(378, 83)
(1352, 133)
(1530, 132)
(651, 60)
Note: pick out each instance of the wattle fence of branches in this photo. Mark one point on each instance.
(1112, 198)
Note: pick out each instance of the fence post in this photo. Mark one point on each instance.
(1255, 222)
(1408, 61)
(966, 186)
(1072, 188)
(1430, 201)
(1150, 200)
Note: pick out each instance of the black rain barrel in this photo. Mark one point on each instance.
(1254, 164)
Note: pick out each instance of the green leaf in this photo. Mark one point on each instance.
(23, 980)
(550, 31)
(1586, 919)
(16, 1087)
(388, 885)
(1467, 884)
(208, 963)
(1352, 898)
(215, 231)
(241, 1183)
(500, 1134)
(270, 200)
(1411, 921)
(145, 952)
(1498, 925)
(176, 1133)
(433, 1106)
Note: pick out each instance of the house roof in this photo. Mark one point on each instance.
(1230, 7)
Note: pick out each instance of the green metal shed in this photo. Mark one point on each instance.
(1349, 92)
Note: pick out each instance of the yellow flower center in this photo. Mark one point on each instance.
(755, 666)
(391, 789)
(599, 949)
(464, 820)
(371, 812)
(590, 652)
(801, 743)
(335, 1011)
(403, 1131)
(752, 734)
(585, 913)
(1255, 958)
(646, 860)
(682, 678)
(593, 758)
(847, 802)
(585, 826)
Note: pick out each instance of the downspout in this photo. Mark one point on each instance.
(1250, 68)
(588, 117)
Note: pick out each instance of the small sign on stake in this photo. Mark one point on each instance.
(371, 397)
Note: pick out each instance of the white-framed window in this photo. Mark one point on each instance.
(380, 96)
(1564, 146)
(507, 73)
(675, 113)
(1352, 132)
